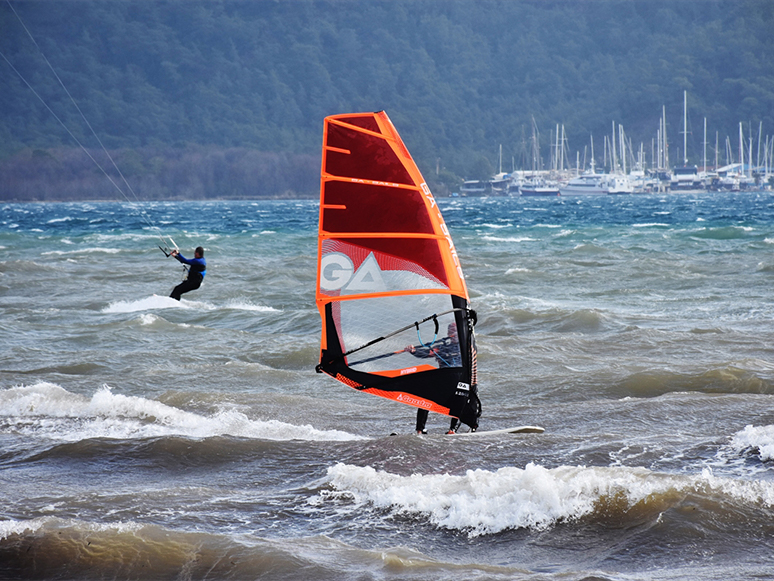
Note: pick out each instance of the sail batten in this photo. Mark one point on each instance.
(389, 282)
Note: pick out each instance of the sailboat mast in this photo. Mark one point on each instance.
(685, 128)
(614, 158)
(664, 135)
(749, 156)
(705, 145)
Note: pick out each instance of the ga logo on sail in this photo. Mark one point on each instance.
(337, 272)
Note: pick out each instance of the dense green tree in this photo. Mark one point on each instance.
(458, 77)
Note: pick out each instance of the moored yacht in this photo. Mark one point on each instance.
(585, 184)
(598, 184)
(685, 179)
(618, 184)
(539, 187)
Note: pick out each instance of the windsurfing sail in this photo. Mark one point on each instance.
(394, 305)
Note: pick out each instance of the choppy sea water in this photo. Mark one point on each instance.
(142, 438)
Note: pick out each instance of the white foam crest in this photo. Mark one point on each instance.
(99, 237)
(148, 319)
(49, 411)
(755, 437)
(649, 225)
(55, 220)
(148, 303)
(495, 226)
(484, 502)
(82, 251)
(509, 239)
(160, 302)
(23, 527)
(242, 305)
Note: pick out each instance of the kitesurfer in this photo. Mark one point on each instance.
(447, 353)
(196, 272)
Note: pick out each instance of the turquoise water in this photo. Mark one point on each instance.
(145, 438)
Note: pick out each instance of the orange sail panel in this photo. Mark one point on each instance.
(390, 290)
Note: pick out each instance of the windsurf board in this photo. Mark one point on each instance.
(514, 430)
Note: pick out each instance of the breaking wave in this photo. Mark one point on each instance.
(46, 410)
(482, 502)
(759, 439)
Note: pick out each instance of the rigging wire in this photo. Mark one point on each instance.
(429, 346)
(319, 367)
(61, 83)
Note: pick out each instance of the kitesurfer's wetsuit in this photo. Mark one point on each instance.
(196, 272)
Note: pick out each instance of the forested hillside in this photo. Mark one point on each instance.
(240, 88)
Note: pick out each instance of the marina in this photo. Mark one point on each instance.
(626, 173)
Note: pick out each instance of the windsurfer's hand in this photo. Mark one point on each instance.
(410, 348)
(173, 253)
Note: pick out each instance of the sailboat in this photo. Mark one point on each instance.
(396, 316)
(685, 179)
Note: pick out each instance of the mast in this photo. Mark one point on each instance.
(535, 146)
(563, 144)
(749, 155)
(622, 145)
(658, 153)
(685, 128)
(758, 157)
(664, 135)
(614, 158)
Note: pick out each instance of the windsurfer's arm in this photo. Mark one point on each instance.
(418, 352)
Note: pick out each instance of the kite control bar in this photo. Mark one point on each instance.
(167, 252)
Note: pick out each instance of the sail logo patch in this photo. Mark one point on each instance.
(415, 401)
(337, 272)
(463, 389)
